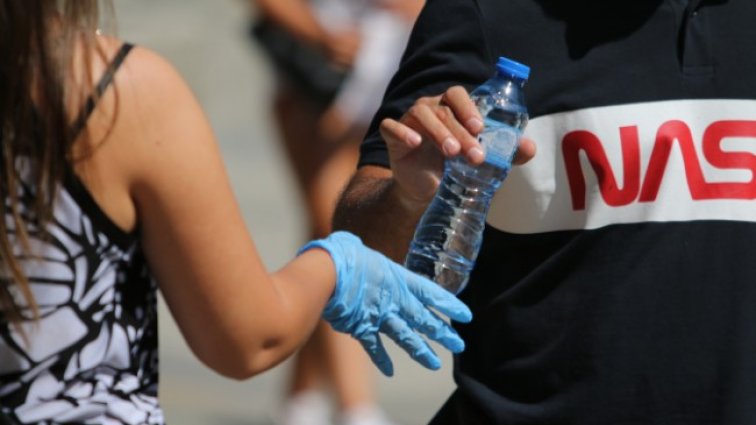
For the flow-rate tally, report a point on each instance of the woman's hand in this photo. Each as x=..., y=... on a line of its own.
x=341, y=46
x=374, y=294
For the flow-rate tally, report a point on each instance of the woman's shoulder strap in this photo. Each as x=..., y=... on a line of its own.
x=105, y=81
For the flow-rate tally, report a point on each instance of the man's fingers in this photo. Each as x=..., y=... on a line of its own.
x=439, y=124
x=460, y=114
x=399, y=138
x=451, y=122
x=470, y=147
x=525, y=152
x=464, y=108
x=423, y=118
x=377, y=352
x=409, y=341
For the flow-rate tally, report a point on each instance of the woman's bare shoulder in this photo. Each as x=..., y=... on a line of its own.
x=141, y=84
x=147, y=109
x=147, y=94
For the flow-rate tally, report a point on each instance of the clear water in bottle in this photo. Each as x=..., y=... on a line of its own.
x=449, y=235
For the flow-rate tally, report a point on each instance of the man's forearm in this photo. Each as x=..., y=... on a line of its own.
x=372, y=209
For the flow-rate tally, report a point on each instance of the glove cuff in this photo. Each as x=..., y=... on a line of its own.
x=336, y=244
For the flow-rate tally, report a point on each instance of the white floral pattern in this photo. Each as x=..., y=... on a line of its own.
x=92, y=357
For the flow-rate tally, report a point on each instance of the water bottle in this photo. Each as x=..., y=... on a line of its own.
x=448, y=237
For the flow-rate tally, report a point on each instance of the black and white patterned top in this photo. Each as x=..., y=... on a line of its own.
x=92, y=356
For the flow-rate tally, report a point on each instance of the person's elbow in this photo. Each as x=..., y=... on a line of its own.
x=241, y=360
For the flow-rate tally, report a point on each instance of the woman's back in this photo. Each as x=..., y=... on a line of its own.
x=92, y=353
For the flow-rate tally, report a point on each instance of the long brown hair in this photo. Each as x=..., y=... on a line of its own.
x=37, y=39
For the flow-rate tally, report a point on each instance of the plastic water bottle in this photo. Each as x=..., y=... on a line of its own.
x=448, y=237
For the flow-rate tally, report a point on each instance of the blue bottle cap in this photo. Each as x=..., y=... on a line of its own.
x=510, y=67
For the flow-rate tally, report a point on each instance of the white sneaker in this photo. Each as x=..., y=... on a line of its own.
x=306, y=408
x=365, y=415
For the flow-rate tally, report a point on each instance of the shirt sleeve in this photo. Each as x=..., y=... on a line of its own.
x=447, y=47
x=383, y=37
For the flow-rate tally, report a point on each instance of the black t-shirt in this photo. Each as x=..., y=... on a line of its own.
x=617, y=279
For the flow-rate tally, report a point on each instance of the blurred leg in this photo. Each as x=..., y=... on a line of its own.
x=306, y=373
x=349, y=369
x=323, y=165
x=306, y=403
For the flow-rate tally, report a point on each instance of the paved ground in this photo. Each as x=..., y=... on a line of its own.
x=206, y=41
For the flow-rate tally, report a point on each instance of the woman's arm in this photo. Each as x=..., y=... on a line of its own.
x=235, y=316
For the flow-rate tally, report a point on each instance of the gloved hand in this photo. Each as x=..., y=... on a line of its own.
x=373, y=294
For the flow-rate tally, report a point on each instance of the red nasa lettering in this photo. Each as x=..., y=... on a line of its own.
x=646, y=190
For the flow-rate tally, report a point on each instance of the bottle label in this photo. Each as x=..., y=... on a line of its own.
x=499, y=142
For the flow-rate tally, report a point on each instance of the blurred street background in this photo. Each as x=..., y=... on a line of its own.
x=207, y=42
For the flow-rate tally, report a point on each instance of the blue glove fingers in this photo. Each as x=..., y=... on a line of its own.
x=435, y=328
x=432, y=295
x=374, y=347
x=409, y=341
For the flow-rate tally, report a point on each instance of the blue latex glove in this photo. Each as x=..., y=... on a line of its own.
x=373, y=294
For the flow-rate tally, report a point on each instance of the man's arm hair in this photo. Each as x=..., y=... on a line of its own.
x=371, y=209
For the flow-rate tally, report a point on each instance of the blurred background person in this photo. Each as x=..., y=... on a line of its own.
x=333, y=59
